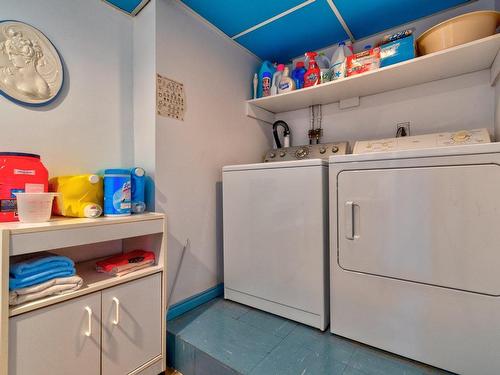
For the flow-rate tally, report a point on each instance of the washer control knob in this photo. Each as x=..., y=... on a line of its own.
x=322, y=150
x=301, y=153
x=282, y=154
x=335, y=149
x=272, y=155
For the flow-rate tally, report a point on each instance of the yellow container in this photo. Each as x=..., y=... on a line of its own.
x=80, y=196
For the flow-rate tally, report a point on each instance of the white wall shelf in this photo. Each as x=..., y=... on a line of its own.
x=452, y=62
x=86, y=240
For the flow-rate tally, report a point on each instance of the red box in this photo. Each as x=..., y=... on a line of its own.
x=363, y=61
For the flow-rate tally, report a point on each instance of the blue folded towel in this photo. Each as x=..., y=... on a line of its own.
x=40, y=269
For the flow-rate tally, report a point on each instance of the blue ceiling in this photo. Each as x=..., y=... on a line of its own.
x=311, y=26
x=131, y=7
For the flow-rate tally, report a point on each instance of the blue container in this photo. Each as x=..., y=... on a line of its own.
x=117, y=192
x=138, y=188
x=298, y=75
x=397, y=51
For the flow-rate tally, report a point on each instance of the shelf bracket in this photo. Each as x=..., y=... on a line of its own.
x=260, y=114
x=349, y=103
x=495, y=70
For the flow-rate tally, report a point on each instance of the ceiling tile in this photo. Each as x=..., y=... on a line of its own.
x=235, y=16
x=309, y=28
x=365, y=18
x=125, y=5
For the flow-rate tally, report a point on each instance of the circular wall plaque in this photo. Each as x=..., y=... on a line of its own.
x=31, y=71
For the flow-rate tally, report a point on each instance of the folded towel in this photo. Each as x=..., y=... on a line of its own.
x=139, y=266
x=39, y=269
x=38, y=264
x=15, y=283
x=49, y=288
x=122, y=262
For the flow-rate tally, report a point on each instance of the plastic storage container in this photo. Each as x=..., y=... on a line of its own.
x=34, y=207
x=117, y=192
x=19, y=172
x=80, y=196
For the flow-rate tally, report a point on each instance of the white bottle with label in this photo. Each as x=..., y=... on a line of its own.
x=286, y=84
x=277, y=78
x=338, y=64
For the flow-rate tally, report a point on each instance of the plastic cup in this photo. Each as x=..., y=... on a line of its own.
x=34, y=207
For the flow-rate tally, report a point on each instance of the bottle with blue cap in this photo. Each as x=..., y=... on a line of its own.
x=338, y=63
x=138, y=190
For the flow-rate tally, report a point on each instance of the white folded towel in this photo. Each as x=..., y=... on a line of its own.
x=49, y=288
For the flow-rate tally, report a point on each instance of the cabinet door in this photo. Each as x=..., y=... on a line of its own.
x=132, y=326
x=60, y=339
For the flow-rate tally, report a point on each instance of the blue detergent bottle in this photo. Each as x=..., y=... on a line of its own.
x=265, y=79
x=298, y=75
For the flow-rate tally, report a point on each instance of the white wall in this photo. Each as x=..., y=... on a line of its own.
x=465, y=102
x=217, y=77
x=144, y=78
x=90, y=126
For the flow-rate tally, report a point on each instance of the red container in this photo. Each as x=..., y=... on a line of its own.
x=19, y=172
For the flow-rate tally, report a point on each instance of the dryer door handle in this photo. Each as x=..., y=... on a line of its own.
x=349, y=220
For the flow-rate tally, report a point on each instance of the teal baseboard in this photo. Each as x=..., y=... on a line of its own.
x=193, y=302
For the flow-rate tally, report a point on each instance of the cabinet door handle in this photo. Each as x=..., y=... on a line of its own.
x=117, y=311
x=89, y=316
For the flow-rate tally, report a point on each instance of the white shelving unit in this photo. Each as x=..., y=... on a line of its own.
x=467, y=58
x=89, y=240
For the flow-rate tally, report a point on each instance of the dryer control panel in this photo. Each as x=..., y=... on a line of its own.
x=321, y=151
x=462, y=137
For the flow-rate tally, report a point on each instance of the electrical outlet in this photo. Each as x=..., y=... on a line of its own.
x=403, y=129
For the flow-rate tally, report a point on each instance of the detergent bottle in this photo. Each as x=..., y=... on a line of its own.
x=313, y=74
x=286, y=84
x=79, y=196
x=298, y=74
x=277, y=78
x=338, y=64
x=265, y=79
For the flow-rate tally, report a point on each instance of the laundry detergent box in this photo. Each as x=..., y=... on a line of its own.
x=397, y=51
x=362, y=62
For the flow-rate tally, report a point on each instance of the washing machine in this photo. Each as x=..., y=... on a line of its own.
x=276, y=233
x=415, y=249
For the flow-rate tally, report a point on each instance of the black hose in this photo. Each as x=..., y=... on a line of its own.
x=286, y=132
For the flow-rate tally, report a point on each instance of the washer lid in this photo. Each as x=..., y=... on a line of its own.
x=280, y=164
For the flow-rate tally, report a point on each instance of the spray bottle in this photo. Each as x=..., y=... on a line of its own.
x=313, y=74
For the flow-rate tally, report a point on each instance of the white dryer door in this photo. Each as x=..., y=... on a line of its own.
x=430, y=225
x=275, y=242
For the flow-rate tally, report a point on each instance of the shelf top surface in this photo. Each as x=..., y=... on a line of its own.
x=451, y=62
x=59, y=222
x=472, y=149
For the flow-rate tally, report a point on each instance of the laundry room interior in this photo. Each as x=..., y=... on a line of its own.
x=266, y=187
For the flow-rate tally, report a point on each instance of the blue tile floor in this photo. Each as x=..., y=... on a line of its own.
x=223, y=337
